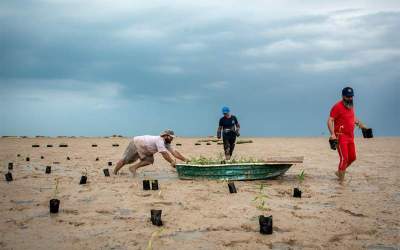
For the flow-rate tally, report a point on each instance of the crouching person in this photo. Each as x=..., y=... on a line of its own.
x=141, y=149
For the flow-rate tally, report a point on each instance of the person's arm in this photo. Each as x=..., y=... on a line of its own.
x=178, y=155
x=360, y=124
x=331, y=127
x=237, y=127
x=168, y=158
x=219, y=132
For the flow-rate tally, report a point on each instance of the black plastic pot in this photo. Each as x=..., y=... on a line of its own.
x=9, y=176
x=179, y=144
x=10, y=166
x=154, y=184
x=156, y=217
x=297, y=193
x=232, y=188
x=35, y=146
x=94, y=145
x=97, y=158
x=54, y=206
x=49, y=146
x=265, y=224
x=48, y=169
x=27, y=159
x=42, y=157
x=106, y=172
x=68, y=158
x=83, y=179
x=18, y=155
x=109, y=163
x=367, y=132
x=146, y=185
x=115, y=145
x=333, y=143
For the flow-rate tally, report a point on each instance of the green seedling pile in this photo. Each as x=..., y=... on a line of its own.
x=202, y=160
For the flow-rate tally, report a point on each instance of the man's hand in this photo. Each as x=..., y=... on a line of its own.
x=332, y=137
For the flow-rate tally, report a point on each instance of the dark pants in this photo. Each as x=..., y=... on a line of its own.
x=229, y=143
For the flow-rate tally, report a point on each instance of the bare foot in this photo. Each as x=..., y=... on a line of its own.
x=340, y=175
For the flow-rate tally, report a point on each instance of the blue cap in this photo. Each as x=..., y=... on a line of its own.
x=225, y=110
x=348, y=91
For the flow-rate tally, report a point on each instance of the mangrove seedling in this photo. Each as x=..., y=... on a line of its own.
x=55, y=203
x=297, y=191
x=83, y=177
x=261, y=199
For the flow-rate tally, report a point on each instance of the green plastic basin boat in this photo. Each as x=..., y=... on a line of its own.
x=232, y=171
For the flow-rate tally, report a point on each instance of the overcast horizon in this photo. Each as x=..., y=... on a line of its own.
x=98, y=68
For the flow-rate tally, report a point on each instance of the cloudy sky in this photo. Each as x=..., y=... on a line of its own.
x=136, y=67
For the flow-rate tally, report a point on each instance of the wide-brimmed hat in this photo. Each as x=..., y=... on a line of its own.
x=169, y=132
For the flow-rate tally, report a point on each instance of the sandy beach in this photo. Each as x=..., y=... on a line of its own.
x=114, y=212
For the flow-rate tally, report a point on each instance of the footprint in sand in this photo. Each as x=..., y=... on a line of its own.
x=71, y=211
x=103, y=211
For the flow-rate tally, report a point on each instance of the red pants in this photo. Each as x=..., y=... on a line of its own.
x=346, y=150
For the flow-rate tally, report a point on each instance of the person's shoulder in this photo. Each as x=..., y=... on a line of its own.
x=339, y=104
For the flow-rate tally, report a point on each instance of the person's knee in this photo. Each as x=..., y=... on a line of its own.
x=351, y=160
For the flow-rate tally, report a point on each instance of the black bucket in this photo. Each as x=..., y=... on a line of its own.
x=48, y=169
x=27, y=159
x=10, y=166
x=68, y=158
x=106, y=172
x=296, y=193
x=8, y=176
x=156, y=217
x=333, y=143
x=154, y=184
x=83, y=179
x=146, y=185
x=265, y=224
x=54, y=206
x=232, y=188
x=110, y=163
x=367, y=133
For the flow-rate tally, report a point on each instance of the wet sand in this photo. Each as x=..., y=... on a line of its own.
x=114, y=212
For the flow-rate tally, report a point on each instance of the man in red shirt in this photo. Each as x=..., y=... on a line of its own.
x=341, y=124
